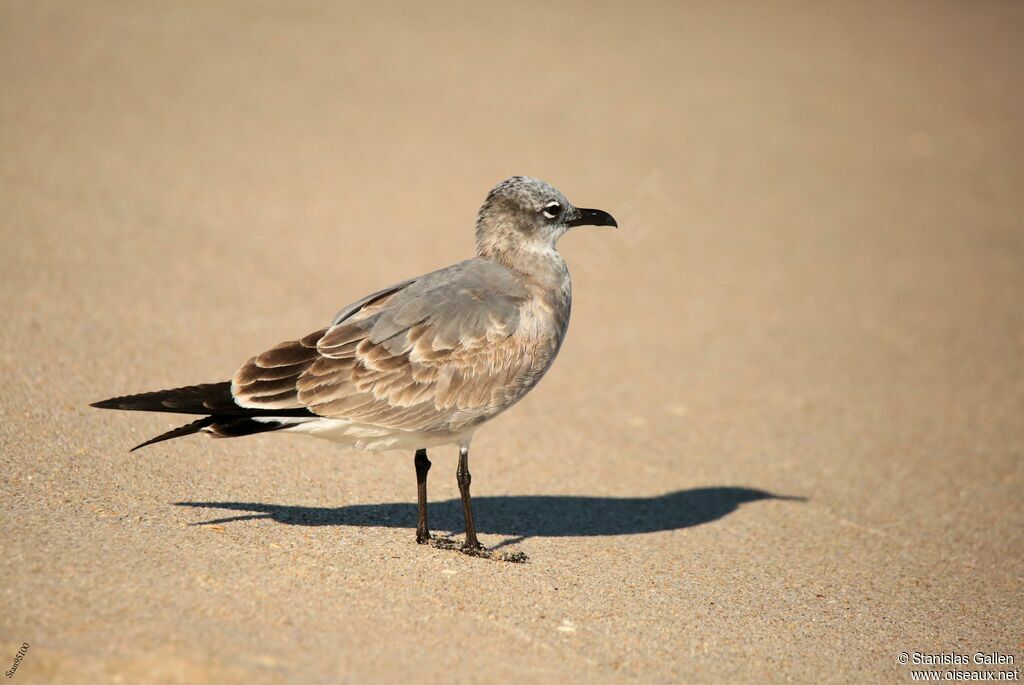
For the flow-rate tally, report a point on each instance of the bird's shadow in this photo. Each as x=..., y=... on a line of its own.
x=521, y=516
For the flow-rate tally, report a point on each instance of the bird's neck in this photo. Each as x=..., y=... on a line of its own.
x=543, y=269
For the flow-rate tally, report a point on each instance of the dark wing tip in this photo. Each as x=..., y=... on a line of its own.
x=191, y=399
x=112, y=403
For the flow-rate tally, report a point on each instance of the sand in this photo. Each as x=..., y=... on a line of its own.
x=815, y=294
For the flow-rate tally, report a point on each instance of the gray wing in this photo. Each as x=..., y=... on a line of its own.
x=433, y=353
x=369, y=299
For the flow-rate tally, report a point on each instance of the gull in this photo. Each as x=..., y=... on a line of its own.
x=419, y=364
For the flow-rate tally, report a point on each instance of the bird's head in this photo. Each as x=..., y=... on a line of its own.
x=522, y=212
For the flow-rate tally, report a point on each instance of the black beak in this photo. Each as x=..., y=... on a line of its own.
x=590, y=217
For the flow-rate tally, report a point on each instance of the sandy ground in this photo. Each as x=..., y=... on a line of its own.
x=816, y=293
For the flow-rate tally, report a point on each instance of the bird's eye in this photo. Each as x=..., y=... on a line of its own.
x=552, y=210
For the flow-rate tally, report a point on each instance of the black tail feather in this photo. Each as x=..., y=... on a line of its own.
x=220, y=427
x=226, y=418
x=236, y=428
x=187, y=429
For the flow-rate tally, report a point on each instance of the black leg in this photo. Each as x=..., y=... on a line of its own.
x=422, y=466
x=464, y=479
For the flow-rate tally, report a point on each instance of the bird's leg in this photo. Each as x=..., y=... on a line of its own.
x=464, y=479
x=422, y=466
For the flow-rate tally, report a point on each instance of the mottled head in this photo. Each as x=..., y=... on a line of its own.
x=526, y=213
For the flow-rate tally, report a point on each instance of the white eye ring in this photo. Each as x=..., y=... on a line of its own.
x=552, y=210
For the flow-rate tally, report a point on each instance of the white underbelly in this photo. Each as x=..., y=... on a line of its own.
x=363, y=436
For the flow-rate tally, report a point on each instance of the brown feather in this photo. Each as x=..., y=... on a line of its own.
x=438, y=353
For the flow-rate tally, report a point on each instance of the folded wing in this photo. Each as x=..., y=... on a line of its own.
x=436, y=353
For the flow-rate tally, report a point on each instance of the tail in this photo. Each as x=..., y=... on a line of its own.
x=225, y=418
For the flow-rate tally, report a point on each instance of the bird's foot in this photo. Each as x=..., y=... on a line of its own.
x=422, y=536
x=474, y=550
x=479, y=551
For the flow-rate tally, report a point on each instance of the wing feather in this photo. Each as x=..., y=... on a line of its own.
x=434, y=353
